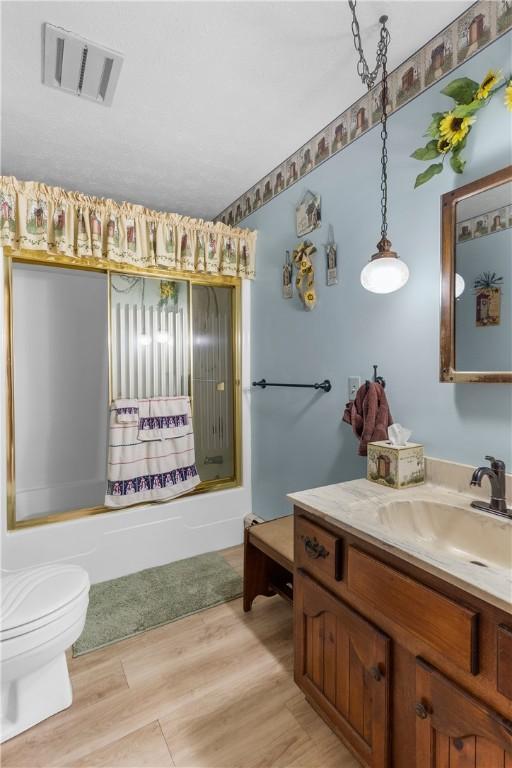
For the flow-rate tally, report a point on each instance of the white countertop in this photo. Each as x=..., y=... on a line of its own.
x=352, y=506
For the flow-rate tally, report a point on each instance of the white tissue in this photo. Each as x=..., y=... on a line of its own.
x=398, y=435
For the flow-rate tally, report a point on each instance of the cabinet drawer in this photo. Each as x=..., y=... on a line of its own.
x=317, y=551
x=449, y=628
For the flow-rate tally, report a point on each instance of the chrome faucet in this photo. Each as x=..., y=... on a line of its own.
x=496, y=475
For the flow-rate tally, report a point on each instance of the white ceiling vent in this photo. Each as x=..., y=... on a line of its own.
x=77, y=66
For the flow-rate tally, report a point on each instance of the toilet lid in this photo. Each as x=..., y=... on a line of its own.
x=30, y=595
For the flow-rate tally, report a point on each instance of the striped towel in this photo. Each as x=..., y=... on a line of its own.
x=163, y=417
x=127, y=411
x=149, y=469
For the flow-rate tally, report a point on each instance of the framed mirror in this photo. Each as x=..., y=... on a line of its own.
x=476, y=281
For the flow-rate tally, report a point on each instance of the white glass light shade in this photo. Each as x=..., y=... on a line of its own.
x=459, y=285
x=145, y=339
x=384, y=275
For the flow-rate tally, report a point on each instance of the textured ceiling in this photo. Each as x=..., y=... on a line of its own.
x=212, y=95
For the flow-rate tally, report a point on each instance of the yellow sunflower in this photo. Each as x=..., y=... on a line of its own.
x=508, y=96
x=454, y=129
x=492, y=77
x=443, y=146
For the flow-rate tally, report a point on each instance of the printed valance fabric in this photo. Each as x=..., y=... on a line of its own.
x=37, y=217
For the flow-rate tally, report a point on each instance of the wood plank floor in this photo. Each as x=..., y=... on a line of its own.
x=212, y=690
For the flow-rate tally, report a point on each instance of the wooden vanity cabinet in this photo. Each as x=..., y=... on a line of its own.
x=455, y=730
x=409, y=670
x=342, y=664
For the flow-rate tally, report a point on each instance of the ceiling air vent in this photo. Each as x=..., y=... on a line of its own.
x=77, y=66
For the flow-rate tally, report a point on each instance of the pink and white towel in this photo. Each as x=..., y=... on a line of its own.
x=150, y=458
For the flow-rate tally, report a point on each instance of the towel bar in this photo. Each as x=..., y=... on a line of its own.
x=325, y=385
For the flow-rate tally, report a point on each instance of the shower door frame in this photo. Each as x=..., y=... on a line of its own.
x=42, y=258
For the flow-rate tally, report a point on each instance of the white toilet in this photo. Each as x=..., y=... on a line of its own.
x=42, y=613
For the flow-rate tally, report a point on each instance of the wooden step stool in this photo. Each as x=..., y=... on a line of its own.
x=268, y=560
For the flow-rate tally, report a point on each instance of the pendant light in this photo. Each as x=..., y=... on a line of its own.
x=385, y=272
x=460, y=285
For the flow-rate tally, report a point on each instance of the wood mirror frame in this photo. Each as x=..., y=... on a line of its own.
x=448, y=372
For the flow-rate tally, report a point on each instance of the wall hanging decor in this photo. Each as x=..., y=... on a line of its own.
x=287, y=277
x=448, y=131
x=308, y=213
x=488, y=299
x=305, y=280
x=384, y=273
x=331, y=256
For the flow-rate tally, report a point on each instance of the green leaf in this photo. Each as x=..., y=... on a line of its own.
x=457, y=163
x=433, y=128
x=430, y=152
x=465, y=110
x=460, y=146
x=461, y=90
x=432, y=170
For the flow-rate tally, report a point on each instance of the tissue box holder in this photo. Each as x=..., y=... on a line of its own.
x=396, y=466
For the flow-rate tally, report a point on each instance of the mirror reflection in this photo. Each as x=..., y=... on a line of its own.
x=483, y=281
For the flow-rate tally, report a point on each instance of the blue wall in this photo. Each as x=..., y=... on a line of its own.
x=299, y=440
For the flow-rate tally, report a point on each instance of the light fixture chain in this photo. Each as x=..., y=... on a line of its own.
x=384, y=35
x=363, y=70
x=368, y=78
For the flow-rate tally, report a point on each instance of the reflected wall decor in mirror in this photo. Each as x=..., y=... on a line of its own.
x=476, y=281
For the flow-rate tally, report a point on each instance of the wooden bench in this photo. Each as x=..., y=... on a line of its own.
x=268, y=560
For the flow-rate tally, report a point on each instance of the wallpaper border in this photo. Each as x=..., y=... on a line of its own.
x=468, y=34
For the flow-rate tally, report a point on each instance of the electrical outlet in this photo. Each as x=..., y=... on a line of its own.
x=354, y=382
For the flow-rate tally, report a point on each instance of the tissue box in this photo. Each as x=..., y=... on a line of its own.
x=396, y=466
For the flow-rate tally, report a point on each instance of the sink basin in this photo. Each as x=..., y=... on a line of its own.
x=477, y=538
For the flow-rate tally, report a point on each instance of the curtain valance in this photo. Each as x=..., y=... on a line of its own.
x=37, y=217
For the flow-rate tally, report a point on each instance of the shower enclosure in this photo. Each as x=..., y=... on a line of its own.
x=80, y=338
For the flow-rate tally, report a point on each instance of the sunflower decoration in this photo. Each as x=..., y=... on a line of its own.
x=305, y=278
x=453, y=129
x=310, y=298
x=448, y=131
x=491, y=79
x=168, y=292
x=508, y=96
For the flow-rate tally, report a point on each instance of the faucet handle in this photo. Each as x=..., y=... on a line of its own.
x=495, y=463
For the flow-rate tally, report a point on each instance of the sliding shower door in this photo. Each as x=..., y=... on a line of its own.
x=213, y=383
x=150, y=339
x=60, y=383
x=79, y=337
x=171, y=338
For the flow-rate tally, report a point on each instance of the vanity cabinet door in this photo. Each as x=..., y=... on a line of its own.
x=342, y=665
x=455, y=730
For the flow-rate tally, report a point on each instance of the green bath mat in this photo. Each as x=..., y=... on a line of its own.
x=132, y=604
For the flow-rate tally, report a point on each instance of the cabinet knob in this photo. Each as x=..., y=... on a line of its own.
x=314, y=549
x=376, y=673
x=421, y=711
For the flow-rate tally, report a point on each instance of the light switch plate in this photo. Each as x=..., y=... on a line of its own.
x=354, y=382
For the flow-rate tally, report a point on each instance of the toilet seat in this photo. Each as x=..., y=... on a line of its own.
x=39, y=597
x=43, y=612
